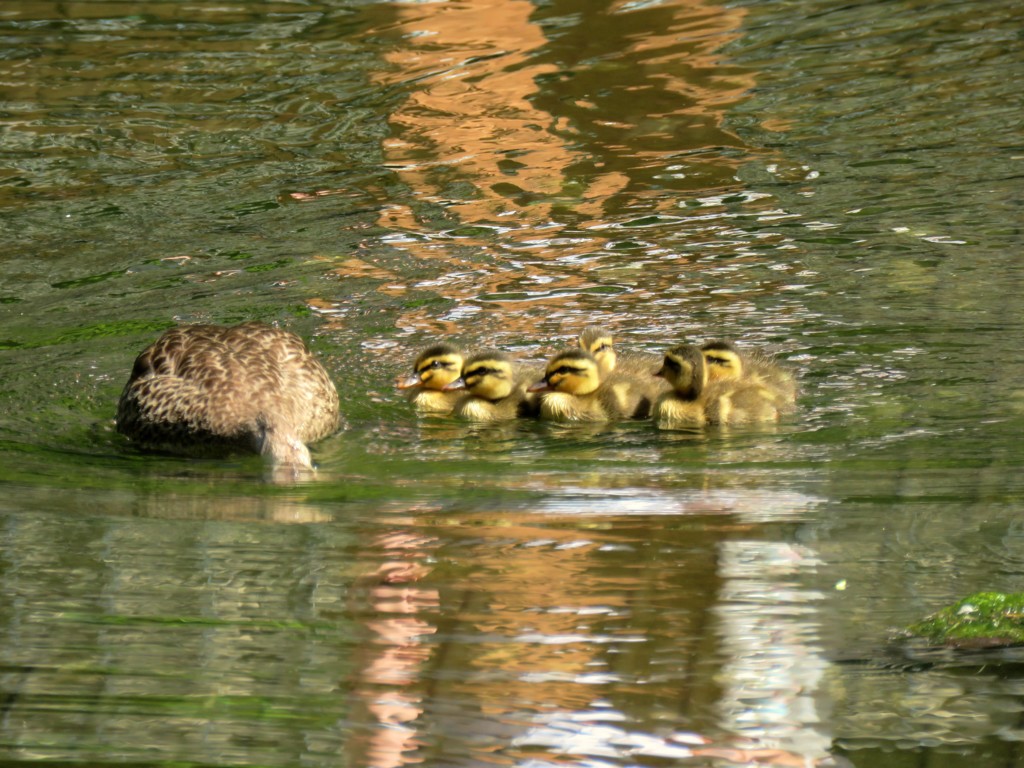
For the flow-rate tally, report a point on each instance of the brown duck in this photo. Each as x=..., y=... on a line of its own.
x=210, y=390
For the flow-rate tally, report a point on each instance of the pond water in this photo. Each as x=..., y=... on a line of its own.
x=837, y=183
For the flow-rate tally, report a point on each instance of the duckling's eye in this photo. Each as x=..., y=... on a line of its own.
x=673, y=364
x=718, y=360
x=603, y=347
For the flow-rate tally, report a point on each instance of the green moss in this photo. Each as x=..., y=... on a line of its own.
x=88, y=279
x=984, y=619
x=268, y=267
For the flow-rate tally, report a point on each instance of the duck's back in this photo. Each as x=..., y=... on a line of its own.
x=763, y=370
x=204, y=388
x=641, y=365
x=745, y=403
x=631, y=396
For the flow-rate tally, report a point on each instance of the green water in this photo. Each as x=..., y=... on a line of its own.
x=837, y=183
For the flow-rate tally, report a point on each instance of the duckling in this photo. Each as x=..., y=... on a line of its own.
x=771, y=382
x=638, y=366
x=495, y=389
x=600, y=342
x=574, y=389
x=434, y=369
x=697, y=399
x=212, y=390
x=685, y=369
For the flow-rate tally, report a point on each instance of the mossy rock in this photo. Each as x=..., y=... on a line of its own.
x=981, y=620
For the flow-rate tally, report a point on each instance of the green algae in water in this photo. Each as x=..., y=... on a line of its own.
x=981, y=620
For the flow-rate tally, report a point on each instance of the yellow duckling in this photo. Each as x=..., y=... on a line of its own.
x=212, y=390
x=698, y=399
x=772, y=382
x=600, y=342
x=434, y=369
x=685, y=369
x=495, y=389
x=574, y=389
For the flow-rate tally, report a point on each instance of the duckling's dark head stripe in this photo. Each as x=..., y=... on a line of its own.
x=437, y=352
x=487, y=355
x=480, y=370
x=593, y=334
x=672, y=363
x=576, y=355
x=436, y=363
x=572, y=361
x=719, y=346
x=567, y=370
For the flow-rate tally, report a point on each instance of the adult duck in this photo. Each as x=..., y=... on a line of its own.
x=209, y=390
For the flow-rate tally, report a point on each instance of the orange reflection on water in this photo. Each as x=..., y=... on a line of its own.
x=557, y=626
x=469, y=116
x=515, y=121
x=505, y=120
x=390, y=666
x=536, y=143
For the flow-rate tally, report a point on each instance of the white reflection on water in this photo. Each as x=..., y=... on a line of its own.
x=572, y=735
x=774, y=666
x=757, y=505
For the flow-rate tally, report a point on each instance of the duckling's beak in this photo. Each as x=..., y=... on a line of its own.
x=660, y=373
x=408, y=382
x=459, y=383
x=539, y=386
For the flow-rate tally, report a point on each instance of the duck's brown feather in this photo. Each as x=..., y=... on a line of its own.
x=209, y=390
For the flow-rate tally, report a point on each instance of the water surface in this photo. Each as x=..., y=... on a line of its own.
x=838, y=184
